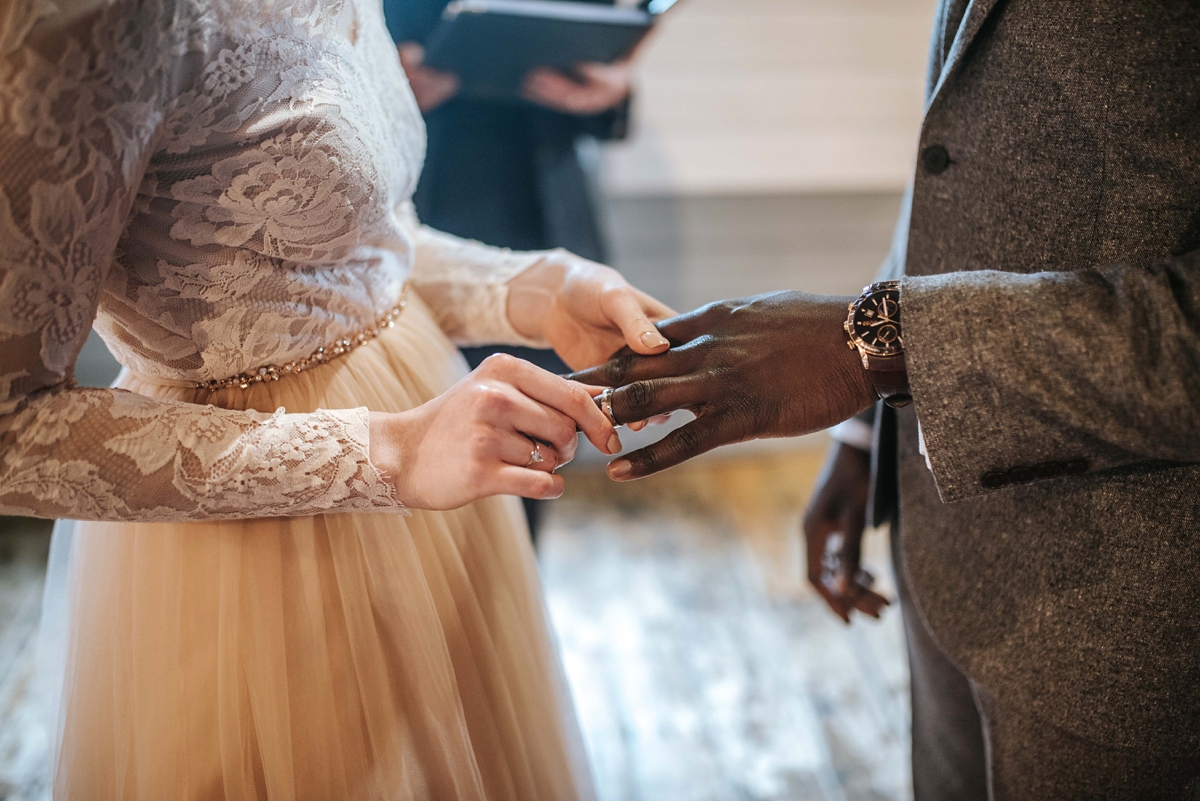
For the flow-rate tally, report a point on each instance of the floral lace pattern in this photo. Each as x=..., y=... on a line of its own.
x=215, y=185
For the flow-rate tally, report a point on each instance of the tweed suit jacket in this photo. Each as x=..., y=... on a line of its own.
x=1051, y=303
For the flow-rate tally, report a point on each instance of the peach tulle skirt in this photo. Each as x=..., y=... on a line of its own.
x=344, y=656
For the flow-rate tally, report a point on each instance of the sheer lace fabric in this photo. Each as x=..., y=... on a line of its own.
x=217, y=185
x=220, y=185
x=331, y=657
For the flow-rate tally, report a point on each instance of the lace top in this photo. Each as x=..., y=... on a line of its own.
x=217, y=185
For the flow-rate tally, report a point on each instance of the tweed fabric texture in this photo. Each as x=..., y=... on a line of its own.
x=1052, y=323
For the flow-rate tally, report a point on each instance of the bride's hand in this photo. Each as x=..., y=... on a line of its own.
x=586, y=311
x=476, y=439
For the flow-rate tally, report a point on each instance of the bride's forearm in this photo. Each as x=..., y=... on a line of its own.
x=466, y=286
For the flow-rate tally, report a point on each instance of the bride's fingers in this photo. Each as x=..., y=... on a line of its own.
x=568, y=397
x=510, y=480
x=524, y=417
x=519, y=451
x=654, y=308
x=623, y=306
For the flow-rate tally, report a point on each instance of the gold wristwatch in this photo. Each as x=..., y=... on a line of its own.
x=873, y=326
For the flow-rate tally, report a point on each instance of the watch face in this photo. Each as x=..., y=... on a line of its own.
x=877, y=322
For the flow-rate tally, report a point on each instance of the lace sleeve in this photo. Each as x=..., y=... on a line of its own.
x=82, y=92
x=465, y=283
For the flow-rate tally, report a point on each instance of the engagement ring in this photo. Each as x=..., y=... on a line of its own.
x=535, y=456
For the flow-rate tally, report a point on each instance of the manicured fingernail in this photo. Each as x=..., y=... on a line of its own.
x=614, y=444
x=620, y=468
x=653, y=339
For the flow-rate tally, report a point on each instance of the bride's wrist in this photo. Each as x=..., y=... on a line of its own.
x=387, y=448
x=532, y=292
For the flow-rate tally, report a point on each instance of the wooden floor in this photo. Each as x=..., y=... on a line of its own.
x=703, y=668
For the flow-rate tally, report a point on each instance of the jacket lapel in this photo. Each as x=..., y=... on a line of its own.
x=977, y=13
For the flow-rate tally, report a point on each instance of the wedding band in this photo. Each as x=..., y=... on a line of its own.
x=604, y=401
x=535, y=456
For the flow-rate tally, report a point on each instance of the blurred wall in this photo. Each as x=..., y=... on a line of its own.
x=690, y=250
x=777, y=96
x=771, y=142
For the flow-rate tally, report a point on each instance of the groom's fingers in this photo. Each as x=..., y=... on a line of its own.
x=870, y=602
x=692, y=325
x=626, y=367
x=697, y=437
x=642, y=400
x=686, y=334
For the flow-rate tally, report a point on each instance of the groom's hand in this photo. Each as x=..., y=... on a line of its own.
x=833, y=533
x=772, y=365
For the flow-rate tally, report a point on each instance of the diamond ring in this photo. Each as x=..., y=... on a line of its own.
x=535, y=456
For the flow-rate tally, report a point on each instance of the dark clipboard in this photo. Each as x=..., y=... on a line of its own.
x=492, y=44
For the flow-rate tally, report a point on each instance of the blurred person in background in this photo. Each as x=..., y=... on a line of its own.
x=509, y=174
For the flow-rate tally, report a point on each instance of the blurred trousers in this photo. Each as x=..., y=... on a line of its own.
x=965, y=742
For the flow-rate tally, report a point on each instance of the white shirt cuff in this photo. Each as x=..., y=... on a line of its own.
x=921, y=446
x=853, y=432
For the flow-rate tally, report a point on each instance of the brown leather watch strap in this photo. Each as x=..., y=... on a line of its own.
x=889, y=376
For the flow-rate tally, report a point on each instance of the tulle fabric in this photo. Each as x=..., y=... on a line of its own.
x=342, y=656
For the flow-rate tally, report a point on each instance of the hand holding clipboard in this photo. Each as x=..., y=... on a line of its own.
x=590, y=88
x=572, y=56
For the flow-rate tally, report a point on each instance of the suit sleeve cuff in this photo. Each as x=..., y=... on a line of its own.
x=984, y=427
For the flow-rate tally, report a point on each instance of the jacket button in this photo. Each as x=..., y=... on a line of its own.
x=1021, y=475
x=994, y=479
x=935, y=159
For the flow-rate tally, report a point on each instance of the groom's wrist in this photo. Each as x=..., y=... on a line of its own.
x=874, y=330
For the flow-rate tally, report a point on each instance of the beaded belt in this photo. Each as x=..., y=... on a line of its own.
x=273, y=372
